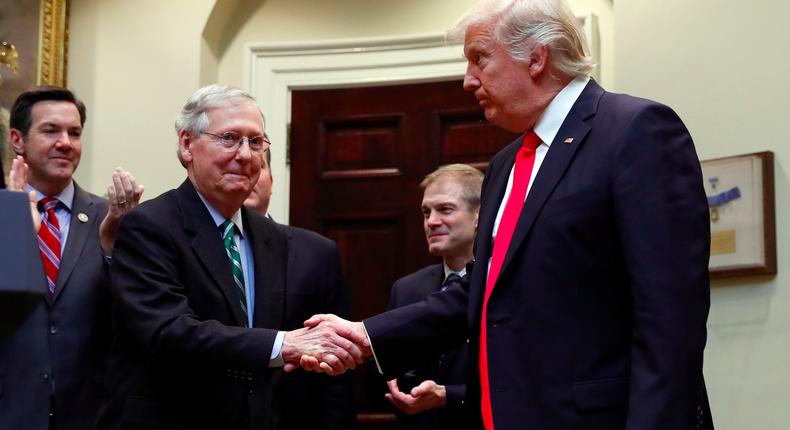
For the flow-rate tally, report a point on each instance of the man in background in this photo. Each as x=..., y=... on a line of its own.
x=313, y=284
x=431, y=396
x=199, y=288
x=52, y=367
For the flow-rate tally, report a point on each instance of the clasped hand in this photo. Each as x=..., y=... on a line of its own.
x=327, y=344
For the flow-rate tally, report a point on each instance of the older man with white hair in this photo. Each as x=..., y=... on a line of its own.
x=588, y=301
x=199, y=287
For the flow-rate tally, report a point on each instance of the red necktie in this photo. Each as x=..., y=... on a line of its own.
x=525, y=159
x=49, y=241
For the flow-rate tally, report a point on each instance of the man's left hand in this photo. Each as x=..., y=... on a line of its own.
x=427, y=395
x=124, y=194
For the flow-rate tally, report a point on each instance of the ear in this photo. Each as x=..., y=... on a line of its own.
x=538, y=60
x=17, y=141
x=477, y=213
x=185, y=141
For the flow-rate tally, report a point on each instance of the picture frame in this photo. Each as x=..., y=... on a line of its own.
x=38, y=32
x=740, y=192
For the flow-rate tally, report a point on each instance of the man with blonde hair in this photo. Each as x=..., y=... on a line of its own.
x=588, y=302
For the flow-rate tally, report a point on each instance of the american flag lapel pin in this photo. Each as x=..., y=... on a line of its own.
x=568, y=140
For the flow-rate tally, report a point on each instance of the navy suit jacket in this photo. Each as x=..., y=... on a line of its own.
x=314, y=284
x=67, y=336
x=449, y=369
x=597, y=320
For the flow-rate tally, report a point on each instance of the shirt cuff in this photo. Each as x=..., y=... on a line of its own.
x=373, y=351
x=276, y=359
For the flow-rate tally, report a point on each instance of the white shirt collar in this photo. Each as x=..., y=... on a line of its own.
x=66, y=197
x=218, y=218
x=549, y=123
x=448, y=271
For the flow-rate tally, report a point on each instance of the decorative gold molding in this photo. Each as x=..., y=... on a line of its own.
x=53, y=42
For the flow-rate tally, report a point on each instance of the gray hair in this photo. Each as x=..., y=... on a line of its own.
x=193, y=118
x=521, y=24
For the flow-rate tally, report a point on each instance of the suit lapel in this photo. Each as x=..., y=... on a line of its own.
x=494, y=192
x=207, y=246
x=79, y=234
x=270, y=253
x=554, y=165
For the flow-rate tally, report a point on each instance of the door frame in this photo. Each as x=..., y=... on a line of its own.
x=274, y=70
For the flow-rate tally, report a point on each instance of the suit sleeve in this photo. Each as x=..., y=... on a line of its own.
x=431, y=326
x=663, y=224
x=152, y=303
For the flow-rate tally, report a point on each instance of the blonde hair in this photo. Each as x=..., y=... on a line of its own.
x=521, y=24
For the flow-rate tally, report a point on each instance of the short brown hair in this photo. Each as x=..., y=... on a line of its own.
x=471, y=181
x=21, y=113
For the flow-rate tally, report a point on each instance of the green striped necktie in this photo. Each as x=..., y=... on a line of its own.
x=228, y=231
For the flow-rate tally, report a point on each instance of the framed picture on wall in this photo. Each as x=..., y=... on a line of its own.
x=33, y=51
x=740, y=192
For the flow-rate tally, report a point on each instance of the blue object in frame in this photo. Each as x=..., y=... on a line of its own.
x=724, y=197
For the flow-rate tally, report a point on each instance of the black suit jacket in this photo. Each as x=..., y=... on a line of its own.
x=449, y=369
x=180, y=358
x=597, y=320
x=314, y=284
x=67, y=336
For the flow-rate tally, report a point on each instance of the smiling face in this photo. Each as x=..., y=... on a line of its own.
x=449, y=223
x=52, y=147
x=225, y=179
x=504, y=87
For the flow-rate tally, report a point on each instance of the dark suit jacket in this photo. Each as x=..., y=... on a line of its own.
x=597, y=320
x=180, y=358
x=448, y=370
x=314, y=284
x=67, y=336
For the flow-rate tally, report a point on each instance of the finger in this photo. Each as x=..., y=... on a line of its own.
x=309, y=363
x=421, y=389
x=111, y=196
x=354, y=332
x=138, y=193
x=329, y=370
x=289, y=367
x=117, y=183
x=339, y=361
x=316, y=319
x=349, y=350
x=393, y=386
x=127, y=183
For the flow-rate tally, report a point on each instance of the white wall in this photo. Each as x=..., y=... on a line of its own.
x=134, y=63
x=723, y=66
x=307, y=20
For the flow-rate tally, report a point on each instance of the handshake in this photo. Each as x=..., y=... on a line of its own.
x=327, y=344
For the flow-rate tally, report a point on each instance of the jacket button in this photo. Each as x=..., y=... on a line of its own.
x=44, y=377
x=53, y=330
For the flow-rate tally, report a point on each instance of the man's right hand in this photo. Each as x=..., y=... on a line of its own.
x=328, y=344
x=17, y=180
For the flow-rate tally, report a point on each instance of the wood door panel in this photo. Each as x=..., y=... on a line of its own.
x=361, y=148
x=466, y=138
x=358, y=156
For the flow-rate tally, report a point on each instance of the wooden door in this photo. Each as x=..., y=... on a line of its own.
x=358, y=156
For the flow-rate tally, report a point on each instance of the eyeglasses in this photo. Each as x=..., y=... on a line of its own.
x=230, y=141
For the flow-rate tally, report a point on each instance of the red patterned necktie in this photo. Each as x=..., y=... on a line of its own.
x=525, y=159
x=49, y=241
